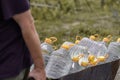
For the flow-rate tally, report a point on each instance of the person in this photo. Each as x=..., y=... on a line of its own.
x=19, y=42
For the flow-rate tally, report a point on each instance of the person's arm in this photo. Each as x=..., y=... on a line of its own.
x=26, y=23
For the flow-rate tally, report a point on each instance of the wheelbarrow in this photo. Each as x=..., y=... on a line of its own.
x=106, y=71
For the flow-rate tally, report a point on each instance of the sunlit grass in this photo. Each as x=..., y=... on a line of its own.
x=65, y=26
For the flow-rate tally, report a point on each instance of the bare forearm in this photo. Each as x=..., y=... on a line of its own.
x=26, y=23
x=33, y=43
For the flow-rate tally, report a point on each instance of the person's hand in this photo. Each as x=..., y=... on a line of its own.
x=38, y=74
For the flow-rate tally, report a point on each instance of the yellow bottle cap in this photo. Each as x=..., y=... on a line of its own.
x=78, y=38
x=92, y=37
x=47, y=40
x=91, y=58
x=84, y=64
x=101, y=58
x=65, y=47
x=50, y=40
x=75, y=59
x=94, y=63
x=107, y=39
x=118, y=40
x=77, y=41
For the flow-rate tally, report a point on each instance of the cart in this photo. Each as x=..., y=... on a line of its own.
x=106, y=71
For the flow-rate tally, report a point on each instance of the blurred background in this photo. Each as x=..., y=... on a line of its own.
x=66, y=19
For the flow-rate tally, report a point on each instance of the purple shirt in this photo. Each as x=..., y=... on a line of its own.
x=14, y=55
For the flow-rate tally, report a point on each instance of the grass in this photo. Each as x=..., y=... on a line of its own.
x=85, y=22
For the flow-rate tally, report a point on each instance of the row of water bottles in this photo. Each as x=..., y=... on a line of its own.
x=73, y=57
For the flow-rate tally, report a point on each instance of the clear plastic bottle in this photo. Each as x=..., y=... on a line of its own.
x=92, y=48
x=86, y=42
x=83, y=62
x=102, y=54
x=97, y=53
x=92, y=58
x=114, y=50
x=76, y=52
x=59, y=64
x=47, y=48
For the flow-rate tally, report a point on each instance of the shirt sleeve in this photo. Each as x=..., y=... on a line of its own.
x=13, y=7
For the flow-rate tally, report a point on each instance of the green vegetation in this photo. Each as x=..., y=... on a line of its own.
x=68, y=18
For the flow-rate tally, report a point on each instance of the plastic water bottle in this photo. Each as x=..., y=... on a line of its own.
x=83, y=62
x=59, y=63
x=76, y=52
x=114, y=51
x=86, y=42
x=47, y=48
x=91, y=46
x=97, y=53
x=102, y=54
